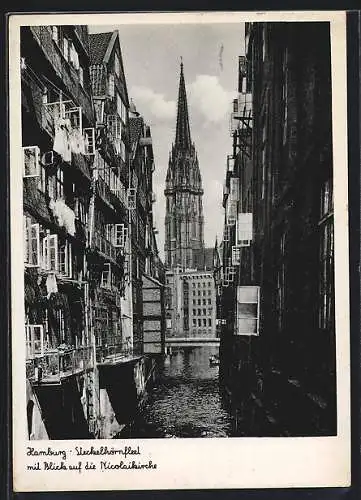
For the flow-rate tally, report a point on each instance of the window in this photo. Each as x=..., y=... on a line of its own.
x=80, y=211
x=204, y=312
x=65, y=258
x=199, y=322
x=326, y=279
x=247, y=310
x=106, y=278
x=120, y=235
x=199, y=302
x=114, y=126
x=209, y=322
x=244, y=229
x=199, y=312
x=89, y=141
x=31, y=242
x=31, y=161
x=50, y=252
x=194, y=322
x=194, y=312
x=56, y=185
x=204, y=322
x=131, y=198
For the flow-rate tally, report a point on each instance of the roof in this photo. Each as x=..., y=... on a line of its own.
x=183, y=133
x=98, y=45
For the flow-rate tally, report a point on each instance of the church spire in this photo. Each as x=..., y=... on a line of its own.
x=183, y=133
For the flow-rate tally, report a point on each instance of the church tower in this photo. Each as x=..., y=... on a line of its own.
x=183, y=191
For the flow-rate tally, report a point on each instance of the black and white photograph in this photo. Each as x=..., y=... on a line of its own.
x=176, y=263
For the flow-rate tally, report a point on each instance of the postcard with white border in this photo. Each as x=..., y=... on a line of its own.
x=179, y=251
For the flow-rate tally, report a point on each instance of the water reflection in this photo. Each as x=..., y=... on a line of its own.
x=185, y=402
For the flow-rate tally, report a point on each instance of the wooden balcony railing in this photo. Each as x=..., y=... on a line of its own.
x=104, y=246
x=113, y=354
x=68, y=74
x=55, y=364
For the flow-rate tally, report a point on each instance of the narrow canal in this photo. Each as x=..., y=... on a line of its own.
x=186, y=400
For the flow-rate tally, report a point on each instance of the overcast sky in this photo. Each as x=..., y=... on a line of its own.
x=151, y=57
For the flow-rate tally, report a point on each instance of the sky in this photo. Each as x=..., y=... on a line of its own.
x=151, y=57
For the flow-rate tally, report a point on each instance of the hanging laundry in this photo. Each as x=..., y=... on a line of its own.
x=64, y=215
x=69, y=220
x=51, y=284
x=76, y=141
x=61, y=138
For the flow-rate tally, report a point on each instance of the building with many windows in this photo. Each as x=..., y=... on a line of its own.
x=190, y=303
x=58, y=127
x=89, y=237
x=276, y=281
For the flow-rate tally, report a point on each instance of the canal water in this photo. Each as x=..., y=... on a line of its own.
x=185, y=401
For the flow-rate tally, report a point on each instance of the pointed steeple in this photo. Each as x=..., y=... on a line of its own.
x=183, y=133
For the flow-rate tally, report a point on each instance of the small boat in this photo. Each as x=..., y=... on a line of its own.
x=213, y=360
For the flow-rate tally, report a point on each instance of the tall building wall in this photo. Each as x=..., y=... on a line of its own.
x=285, y=181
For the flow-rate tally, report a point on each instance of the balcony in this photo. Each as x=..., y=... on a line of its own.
x=114, y=354
x=104, y=246
x=104, y=191
x=54, y=365
x=68, y=74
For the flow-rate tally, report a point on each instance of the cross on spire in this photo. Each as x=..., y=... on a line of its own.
x=183, y=134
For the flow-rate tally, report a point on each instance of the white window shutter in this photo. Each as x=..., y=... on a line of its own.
x=53, y=252
x=31, y=161
x=89, y=141
x=35, y=244
x=131, y=195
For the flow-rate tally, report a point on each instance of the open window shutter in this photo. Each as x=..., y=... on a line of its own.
x=120, y=235
x=89, y=140
x=53, y=252
x=35, y=244
x=31, y=161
